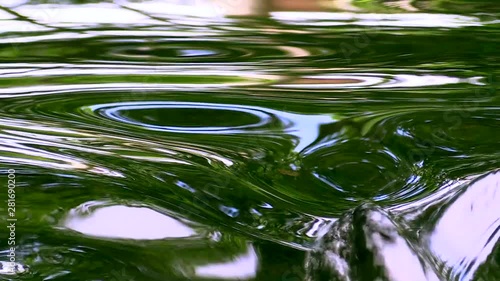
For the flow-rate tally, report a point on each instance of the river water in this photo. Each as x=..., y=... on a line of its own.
x=166, y=141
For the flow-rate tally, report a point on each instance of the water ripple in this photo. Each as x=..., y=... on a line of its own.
x=150, y=112
x=52, y=79
x=247, y=135
x=375, y=81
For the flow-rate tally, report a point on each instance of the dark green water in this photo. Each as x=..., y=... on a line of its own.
x=251, y=132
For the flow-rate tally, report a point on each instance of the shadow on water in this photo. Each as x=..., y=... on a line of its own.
x=239, y=140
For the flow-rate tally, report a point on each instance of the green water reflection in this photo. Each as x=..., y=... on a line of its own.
x=242, y=135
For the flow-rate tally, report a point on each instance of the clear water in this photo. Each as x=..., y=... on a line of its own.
x=164, y=142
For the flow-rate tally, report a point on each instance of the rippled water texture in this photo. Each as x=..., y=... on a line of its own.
x=160, y=141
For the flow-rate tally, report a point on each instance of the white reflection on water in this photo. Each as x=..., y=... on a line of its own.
x=138, y=13
x=12, y=268
x=85, y=14
x=125, y=222
x=13, y=3
x=468, y=230
x=241, y=267
x=401, y=20
x=11, y=25
x=377, y=80
x=392, y=250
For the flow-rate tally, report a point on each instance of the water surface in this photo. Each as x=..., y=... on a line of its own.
x=155, y=142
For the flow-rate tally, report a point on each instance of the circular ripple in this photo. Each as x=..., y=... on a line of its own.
x=174, y=52
x=360, y=170
x=204, y=51
x=185, y=117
